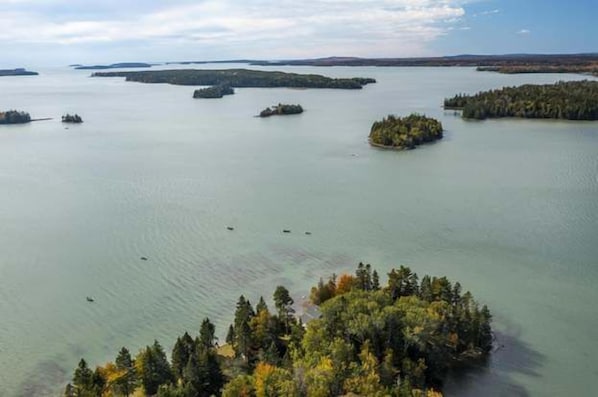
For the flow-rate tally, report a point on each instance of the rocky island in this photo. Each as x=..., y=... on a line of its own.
x=72, y=118
x=215, y=91
x=17, y=72
x=571, y=100
x=14, y=117
x=239, y=78
x=405, y=132
x=281, y=110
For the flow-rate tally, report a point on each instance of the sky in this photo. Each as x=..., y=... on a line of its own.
x=60, y=32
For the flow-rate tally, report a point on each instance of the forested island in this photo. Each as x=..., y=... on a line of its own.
x=281, y=109
x=215, y=91
x=17, y=72
x=571, y=100
x=399, y=339
x=113, y=66
x=239, y=78
x=14, y=117
x=72, y=118
x=405, y=132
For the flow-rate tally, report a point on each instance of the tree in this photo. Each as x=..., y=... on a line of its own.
x=153, y=368
x=402, y=282
x=243, y=338
x=207, y=334
x=182, y=350
x=261, y=305
x=230, y=335
x=345, y=283
x=284, y=305
x=124, y=384
x=241, y=386
x=83, y=377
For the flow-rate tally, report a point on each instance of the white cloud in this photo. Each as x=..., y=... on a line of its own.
x=361, y=27
x=489, y=12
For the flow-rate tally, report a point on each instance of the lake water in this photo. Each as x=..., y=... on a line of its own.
x=508, y=207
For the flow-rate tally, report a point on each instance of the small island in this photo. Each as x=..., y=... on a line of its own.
x=400, y=338
x=239, y=78
x=17, y=72
x=405, y=132
x=215, y=91
x=571, y=100
x=72, y=118
x=281, y=110
x=14, y=117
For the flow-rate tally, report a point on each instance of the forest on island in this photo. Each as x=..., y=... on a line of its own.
x=14, y=117
x=281, y=109
x=572, y=100
x=398, y=339
x=239, y=78
x=215, y=91
x=405, y=132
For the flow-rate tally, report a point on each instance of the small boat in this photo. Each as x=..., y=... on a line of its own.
x=230, y=228
x=286, y=231
x=143, y=258
x=308, y=233
x=89, y=299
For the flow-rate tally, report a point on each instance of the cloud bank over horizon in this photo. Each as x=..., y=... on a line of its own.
x=83, y=31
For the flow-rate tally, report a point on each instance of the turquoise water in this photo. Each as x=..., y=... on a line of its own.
x=508, y=207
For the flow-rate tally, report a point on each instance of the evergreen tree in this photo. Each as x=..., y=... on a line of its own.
x=485, y=338
x=83, y=377
x=125, y=384
x=230, y=335
x=261, y=305
x=375, y=281
x=180, y=355
x=207, y=334
x=243, y=338
x=153, y=368
x=284, y=305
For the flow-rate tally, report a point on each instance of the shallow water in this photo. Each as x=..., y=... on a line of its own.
x=508, y=207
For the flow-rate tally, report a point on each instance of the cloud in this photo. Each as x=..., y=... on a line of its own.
x=330, y=26
x=524, y=31
x=489, y=12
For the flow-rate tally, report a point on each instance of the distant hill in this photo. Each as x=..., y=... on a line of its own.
x=455, y=60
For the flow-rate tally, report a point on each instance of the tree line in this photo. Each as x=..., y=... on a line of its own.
x=397, y=339
x=571, y=100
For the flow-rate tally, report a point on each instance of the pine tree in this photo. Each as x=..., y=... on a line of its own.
x=153, y=368
x=284, y=305
x=125, y=384
x=230, y=335
x=261, y=305
x=83, y=377
x=207, y=334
